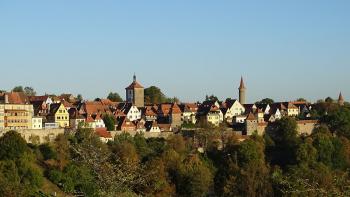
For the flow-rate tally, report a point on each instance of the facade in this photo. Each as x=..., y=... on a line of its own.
x=133, y=113
x=18, y=116
x=135, y=94
x=58, y=114
x=37, y=123
x=190, y=112
x=232, y=109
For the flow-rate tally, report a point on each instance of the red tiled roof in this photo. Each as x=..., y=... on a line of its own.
x=102, y=132
x=133, y=85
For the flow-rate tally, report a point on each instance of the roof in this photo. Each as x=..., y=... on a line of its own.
x=17, y=98
x=102, y=132
x=134, y=85
x=251, y=116
x=175, y=109
x=54, y=107
x=38, y=98
x=241, y=85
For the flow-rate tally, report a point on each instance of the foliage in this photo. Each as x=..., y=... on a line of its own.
x=109, y=121
x=265, y=101
x=115, y=97
x=154, y=95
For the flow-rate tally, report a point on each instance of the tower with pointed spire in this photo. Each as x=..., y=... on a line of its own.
x=135, y=93
x=242, y=91
x=341, y=99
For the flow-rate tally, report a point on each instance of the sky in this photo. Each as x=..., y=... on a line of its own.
x=188, y=48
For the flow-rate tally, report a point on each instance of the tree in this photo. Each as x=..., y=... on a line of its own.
x=29, y=91
x=301, y=100
x=338, y=121
x=109, y=121
x=79, y=97
x=283, y=133
x=211, y=98
x=115, y=97
x=18, y=89
x=12, y=146
x=265, y=101
x=154, y=95
x=329, y=100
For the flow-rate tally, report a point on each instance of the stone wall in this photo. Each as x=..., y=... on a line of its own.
x=38, y=136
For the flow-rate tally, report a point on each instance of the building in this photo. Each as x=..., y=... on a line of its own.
x=135, y=93
x=58, y=114
x=232, y=108
x=37, y=122
x=16, y=112
x=242, y=92
x=190, y=112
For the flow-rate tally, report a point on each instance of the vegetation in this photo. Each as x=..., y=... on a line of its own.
x=29, y=91
x=265, y=101
x=280, y=163
x=154, y=95
x=115, y=97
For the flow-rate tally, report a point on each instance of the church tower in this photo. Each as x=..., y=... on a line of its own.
x=135, y=93
x=341, y=99
x=242, y=90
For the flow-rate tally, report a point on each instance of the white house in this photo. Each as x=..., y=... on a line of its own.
x=132, y=113
x=154, y=127
x=189, y=113
x=37, y=123
x=232, y=108
x=99, y=122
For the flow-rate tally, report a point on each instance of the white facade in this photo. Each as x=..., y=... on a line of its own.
x=134, y=114
x=99, y=123
x=235, y=110
x=154, y=129
x=37, y=123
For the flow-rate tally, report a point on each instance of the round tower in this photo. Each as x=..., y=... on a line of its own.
x=242, y=89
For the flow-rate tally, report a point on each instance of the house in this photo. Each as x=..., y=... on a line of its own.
x=58, y=114
x=126, y=125
x=75, y=119
x=140, y=126
x=232, y=108
x=210, y=115
x=16, y=112
x=98, y=121
x=132, y=112
x=90, y=122
x=169, y=113
x=190, y=112
x=292, y=110
x=152, y=127
x=149, y=113
x=103, y=134
x=37, y=123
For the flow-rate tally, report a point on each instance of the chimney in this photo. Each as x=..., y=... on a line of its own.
x=6, y=98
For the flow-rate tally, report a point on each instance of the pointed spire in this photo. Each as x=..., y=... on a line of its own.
x=134, y=77
x=241, y=85
x=341, y=99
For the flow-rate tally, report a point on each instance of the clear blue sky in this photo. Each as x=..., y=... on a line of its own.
x=283, y=49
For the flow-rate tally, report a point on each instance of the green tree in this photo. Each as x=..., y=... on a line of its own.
x=29, y=91
x=115, y=97
x=266, y=101
x=79, y=97
x=109, y=121
x=338, y=121
x=154, y=95
x=18, y=89
x=12, y=146
x=283, y=133
x=211, y=98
